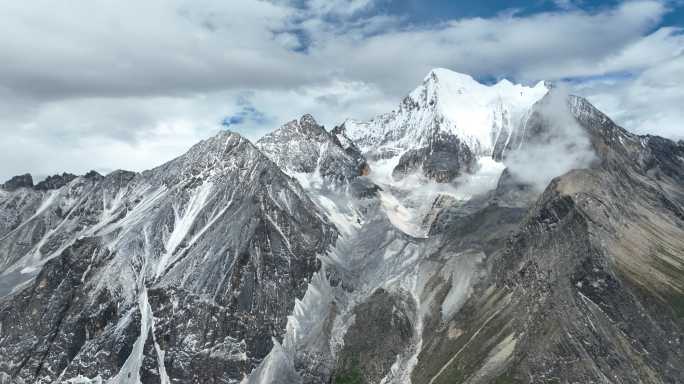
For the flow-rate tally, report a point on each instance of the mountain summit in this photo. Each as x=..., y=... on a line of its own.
x=452, y=103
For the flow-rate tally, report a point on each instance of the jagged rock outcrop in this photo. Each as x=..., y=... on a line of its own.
x=93, y=175
x=443, y=160
x=305, y=147
x=20, y=181
x=341, y=139
x=55, y=181
x=382, y=329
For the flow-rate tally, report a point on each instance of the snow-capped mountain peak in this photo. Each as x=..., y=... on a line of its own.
x=450, y=102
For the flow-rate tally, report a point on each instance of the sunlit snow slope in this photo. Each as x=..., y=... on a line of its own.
x=480, y=115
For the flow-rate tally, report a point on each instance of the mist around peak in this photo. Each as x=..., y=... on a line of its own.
x=553, y=142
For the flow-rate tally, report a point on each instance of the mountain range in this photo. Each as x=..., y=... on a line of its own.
x=476, y=234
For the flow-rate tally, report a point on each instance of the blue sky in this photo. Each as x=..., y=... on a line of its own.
x=435, y=11
x=130, y=85
x=443, y=10
x=430, y=11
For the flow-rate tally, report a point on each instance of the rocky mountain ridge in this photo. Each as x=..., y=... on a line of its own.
x=368, y=254
x=181, y=273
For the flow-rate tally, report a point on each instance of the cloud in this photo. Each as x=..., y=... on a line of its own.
x=560, y=145
x=178, y=47
x=162, y=75
x=330, y=104
x=99, y=48
x=340, y=8
x=648, y=102
x=22, y=150
x=549, y=45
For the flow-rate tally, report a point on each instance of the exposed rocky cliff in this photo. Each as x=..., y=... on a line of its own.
x=20, y=181
x=442, y=160
x=304, y=148
x=55, y=181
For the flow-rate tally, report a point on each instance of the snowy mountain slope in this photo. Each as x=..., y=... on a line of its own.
x=480, y=116
x=184, y=272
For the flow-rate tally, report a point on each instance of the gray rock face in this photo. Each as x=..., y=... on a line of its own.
x=513, y=192
x=382, y=329
x=16, y=182
x=443, y=160
x=92, y=175
x=40, y=224
x=55, y=181
x=340, y=138
x=183, y=273
x=306, y=147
